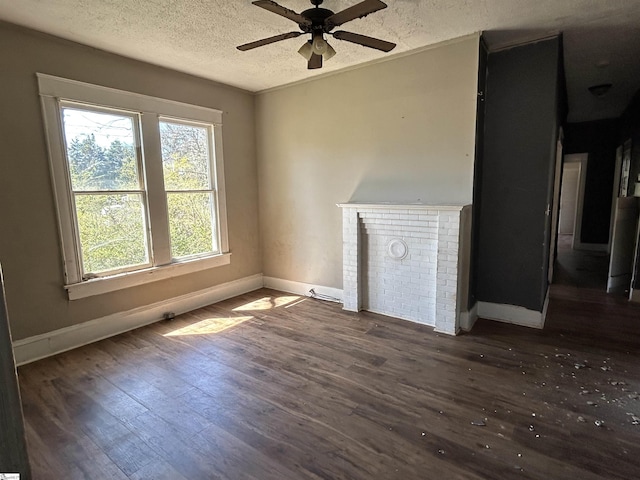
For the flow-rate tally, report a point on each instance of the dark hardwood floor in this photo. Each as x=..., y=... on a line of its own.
x=273, y=386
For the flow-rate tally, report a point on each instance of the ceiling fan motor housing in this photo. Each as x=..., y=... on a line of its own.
x=317, y=16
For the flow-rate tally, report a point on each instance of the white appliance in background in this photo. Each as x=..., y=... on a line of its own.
x=623, y=244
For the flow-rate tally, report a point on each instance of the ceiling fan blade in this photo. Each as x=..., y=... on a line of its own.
x=359, y=10
x=364, y=40
x=282, y=11
x=267, y=41
x=315, y=62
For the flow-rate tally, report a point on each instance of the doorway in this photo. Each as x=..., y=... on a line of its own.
x=574, y=179
x=569, y=198
x=578, y=264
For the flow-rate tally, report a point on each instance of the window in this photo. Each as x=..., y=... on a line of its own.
x=186, y=157
x=139, y=185
x=106, y=188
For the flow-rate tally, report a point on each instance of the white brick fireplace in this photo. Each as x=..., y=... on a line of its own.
x=407, y=261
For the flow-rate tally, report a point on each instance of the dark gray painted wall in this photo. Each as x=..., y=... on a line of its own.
x=599, y=140
x=515, y=185
x=477, y=172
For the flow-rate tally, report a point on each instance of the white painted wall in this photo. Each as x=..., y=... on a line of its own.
x=402, y=131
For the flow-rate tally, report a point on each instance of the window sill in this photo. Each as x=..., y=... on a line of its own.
x=99, y=286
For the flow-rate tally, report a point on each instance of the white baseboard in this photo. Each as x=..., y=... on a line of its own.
x=592, y=247
x=300, y=288
x=41, y=346
x=468, y=319
x=511, y=314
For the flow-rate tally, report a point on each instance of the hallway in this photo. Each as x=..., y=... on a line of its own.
x=579, y=304
x=578, y=268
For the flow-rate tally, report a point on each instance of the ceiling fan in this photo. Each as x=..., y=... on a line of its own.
x=317, y=21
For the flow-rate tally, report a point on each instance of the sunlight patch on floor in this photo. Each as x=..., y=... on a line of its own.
x=209, y=326
x=267, y=303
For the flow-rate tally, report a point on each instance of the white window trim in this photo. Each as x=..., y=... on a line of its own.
x=55, y=89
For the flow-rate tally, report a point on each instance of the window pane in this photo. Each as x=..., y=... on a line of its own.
x=100, y=150
x=190, y=221
x=112, y=231
x=185, y=156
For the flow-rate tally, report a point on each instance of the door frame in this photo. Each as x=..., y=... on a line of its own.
x=582, y=159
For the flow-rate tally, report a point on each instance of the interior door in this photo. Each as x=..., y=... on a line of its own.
x=582, y=159
x=556, y=206
x=615, y=193
x=623, y=244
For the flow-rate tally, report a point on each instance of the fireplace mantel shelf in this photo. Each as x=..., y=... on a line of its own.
x=403, y=206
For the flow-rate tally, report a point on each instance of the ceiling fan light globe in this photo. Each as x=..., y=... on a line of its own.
x=329, y=53
x=306, y=50
x=319, y=45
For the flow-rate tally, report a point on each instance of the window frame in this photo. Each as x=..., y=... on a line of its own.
x=53, y=92
x=142, y=190
x=212, y=181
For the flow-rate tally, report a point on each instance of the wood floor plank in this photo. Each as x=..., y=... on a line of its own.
x=59, y=445
x=157, y=470
x=270, y=386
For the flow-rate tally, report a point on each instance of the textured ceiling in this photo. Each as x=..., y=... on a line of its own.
x=602, y=38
